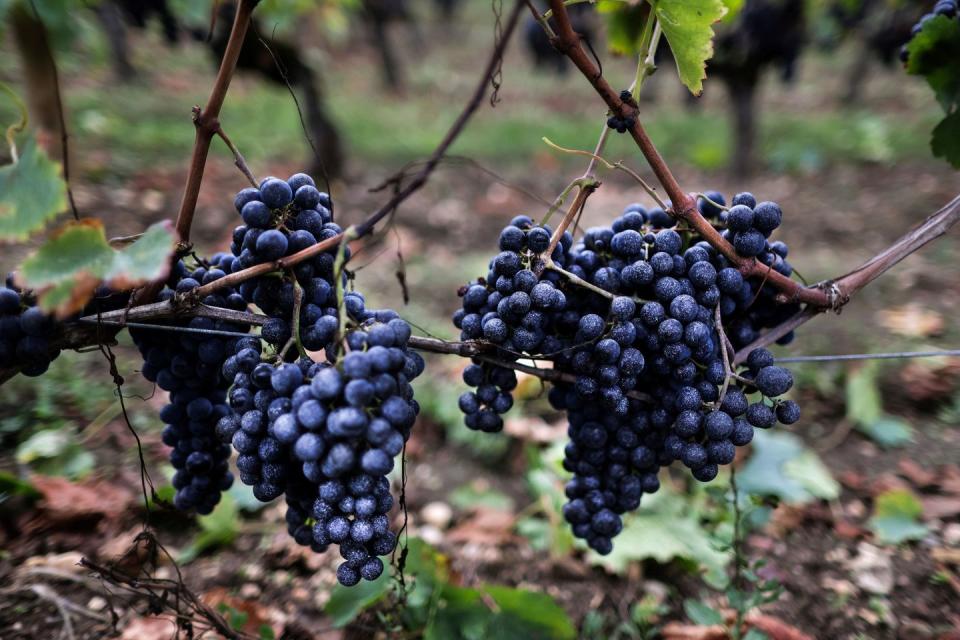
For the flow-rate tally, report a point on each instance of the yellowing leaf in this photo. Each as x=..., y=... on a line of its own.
x=32, y=192
x=687, y=27
x=66, y=270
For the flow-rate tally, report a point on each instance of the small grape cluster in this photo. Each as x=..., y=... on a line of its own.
x=648, y=379
x=326, y=435
x=280, y=218
x=24, y=332
x=188, y=366
x=945, y=8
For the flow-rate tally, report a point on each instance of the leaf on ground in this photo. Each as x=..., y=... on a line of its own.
x=54, y=452
x=913, y=321
x=32, y=192
x=700, y=613
x=484, y=526
x=149, y=628
x=863, y=396
x=346, y=603
x=247, y=616
x=65, y=502
x=218, y=528
x=11, y=485
x=896, y=517
x=468, y=496
x=527, y=614
x=888, y=432
x=665, y=528
x=66, y=270
x=782, y=466
x=687, y=25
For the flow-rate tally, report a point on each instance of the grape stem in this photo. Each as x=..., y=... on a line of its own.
x=238, y=159
x=683, y=205
x=727, y=350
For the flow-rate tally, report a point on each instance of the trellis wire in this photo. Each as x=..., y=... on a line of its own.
x=870, y=356
x=164, y=327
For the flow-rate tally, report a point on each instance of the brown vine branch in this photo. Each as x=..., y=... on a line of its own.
x=567, y=42
x=844, y=287
x=206, y=120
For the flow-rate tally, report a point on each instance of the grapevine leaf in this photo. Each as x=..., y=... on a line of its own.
x=461, y=615
x=701, y=614
x=863, y=396
x=934, y=53
x=945, y=141
x=218, y=528
x=888, y=432
x=665, y=528
x=782, y=466
x=66, y=270
x=624, y=25
x=527, y=614
x=32, y=192
x=346, y=603
x=896, y=517
x=687, y=27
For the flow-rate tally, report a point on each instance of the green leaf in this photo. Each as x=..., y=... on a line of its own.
x=527, y=614
x=346, y=603
x=665, y=528
x=863, y=397
x=701, y=614
x=782, y=466
x=66, y=270
x=755, y=634
x=945, y=140
x=32, y=192
x=687, y=26
x=934, y=53
x=896, y=517
x=12, y=485
x=624, y=25
x=218, y=528
x=888, y=432
x=54, y=452
x=467, y=497
x=498, y=612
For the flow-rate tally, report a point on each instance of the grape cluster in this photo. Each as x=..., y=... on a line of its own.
x=279, y=219
x=945, y=8
x=188, y=366
x=646, y=380
x=24, y=332
x=326, y=435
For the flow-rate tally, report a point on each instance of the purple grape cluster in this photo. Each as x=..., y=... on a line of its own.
x=325, y=435
x=647, y=372
x=946, y=8
x=188, y=366
x=280, y=218
x=25, y=332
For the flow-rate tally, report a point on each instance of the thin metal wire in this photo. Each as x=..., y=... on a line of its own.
x=871, y=356
x=163, y=327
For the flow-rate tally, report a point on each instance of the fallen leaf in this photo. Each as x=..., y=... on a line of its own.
x=872, y=569
x=945, y=555
x=916, y=474
x=484, y=526
x=949, y=480
x=152, y=628
x=931, y=380
x=887, y=482
x=775, y=628
x=678, y=631
x=912, y=320
x=245, y=615
x=64, y=501
x=852, y=480
x=848, y=530
x=940, y=507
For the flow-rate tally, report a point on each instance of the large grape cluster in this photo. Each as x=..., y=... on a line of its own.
x=279, y=219
x=188, y=366
x=326, y=435
x=645, y=377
